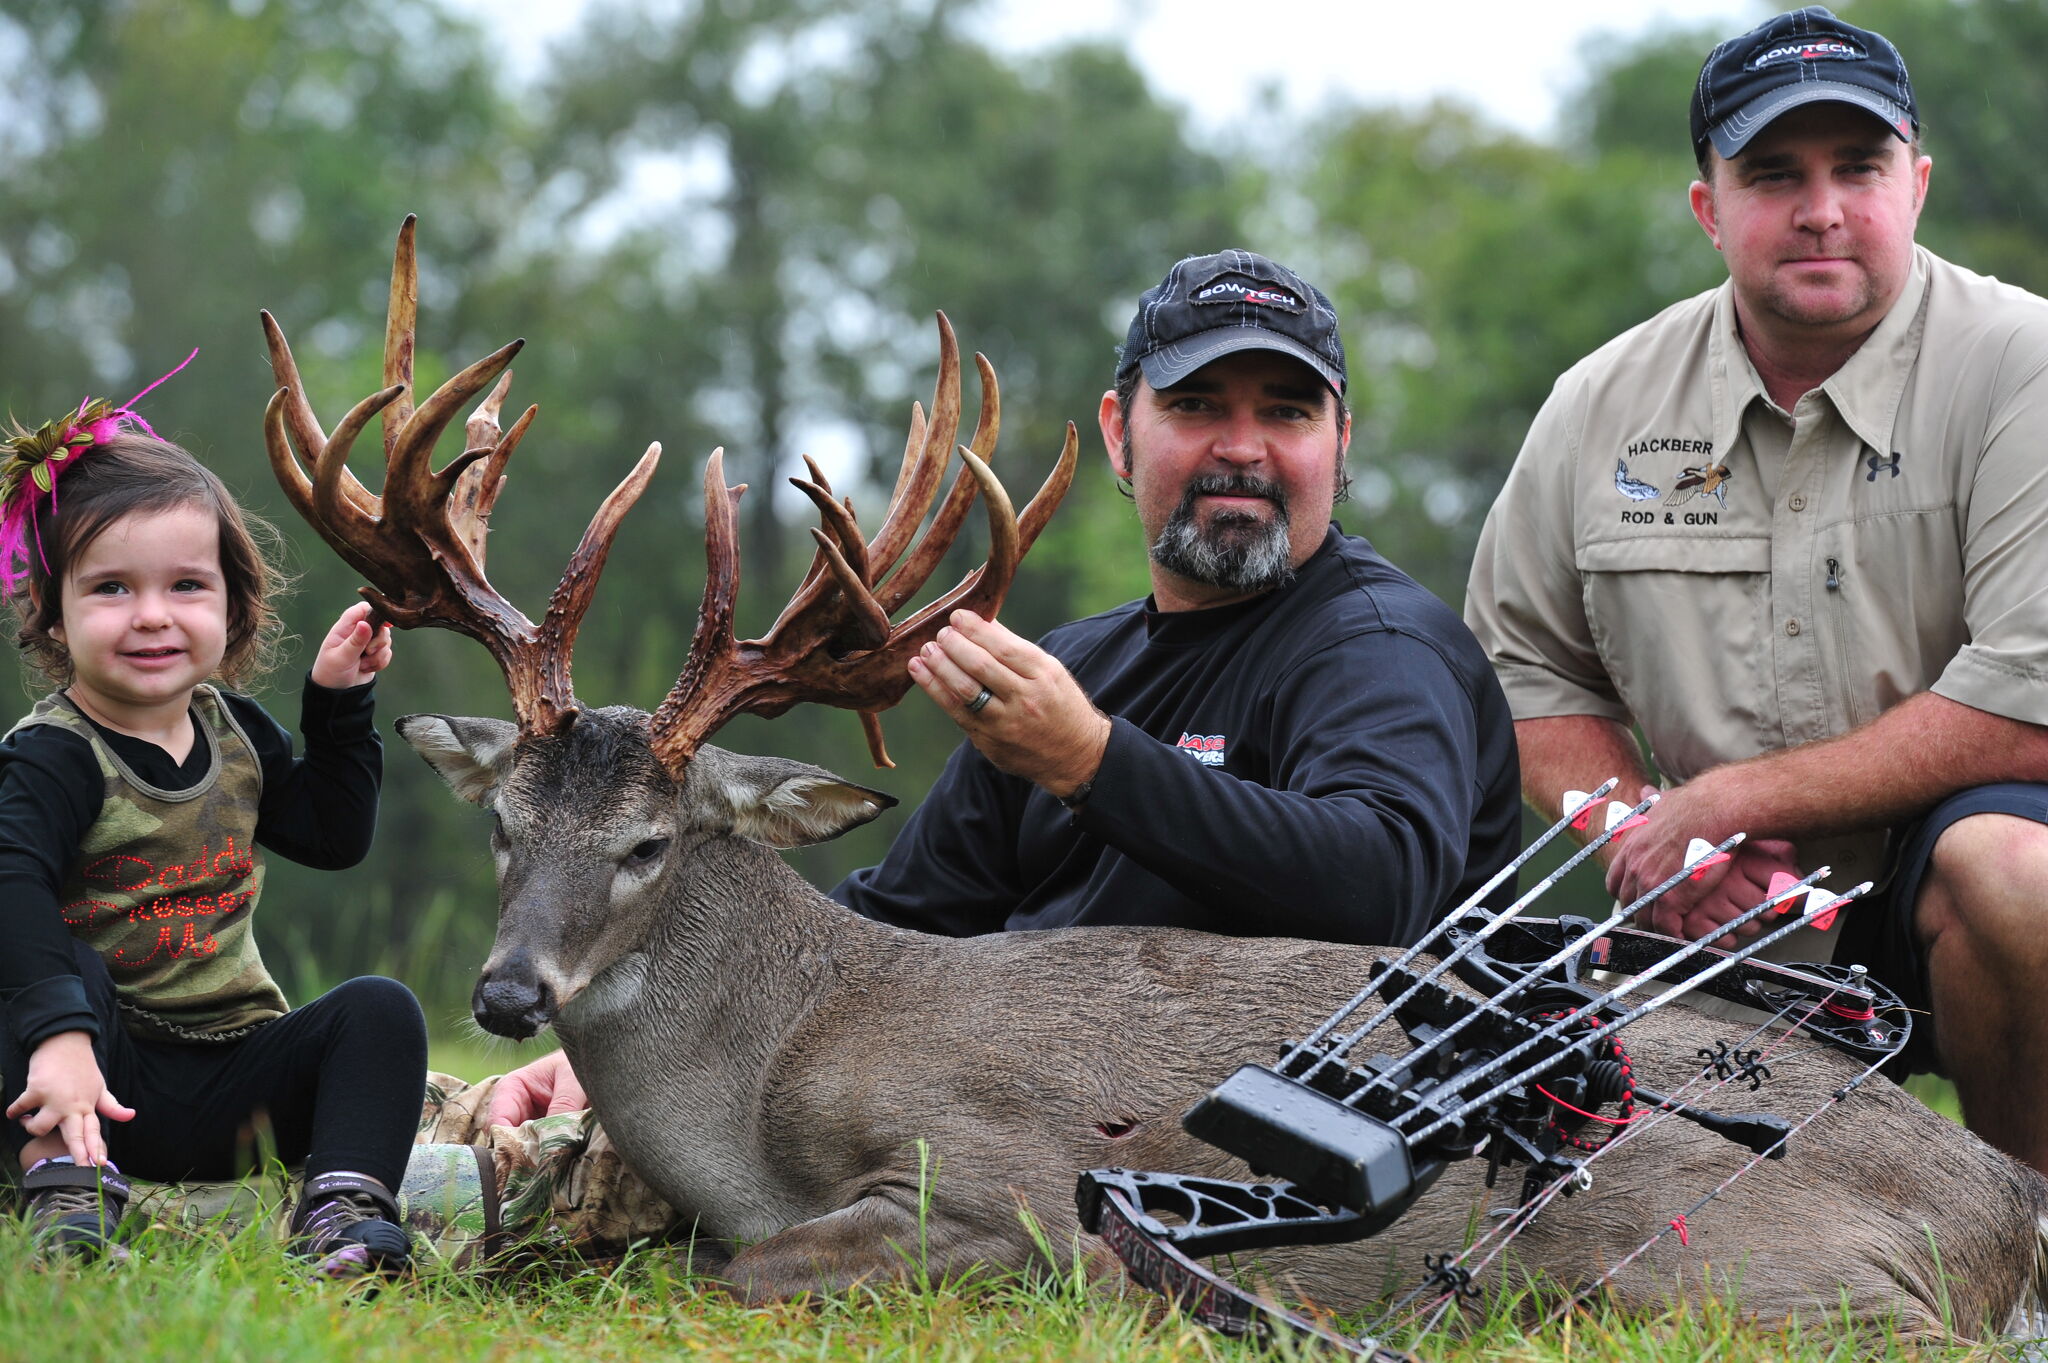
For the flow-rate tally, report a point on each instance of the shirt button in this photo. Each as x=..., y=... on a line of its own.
x=1798, y=502
x=1792, y=627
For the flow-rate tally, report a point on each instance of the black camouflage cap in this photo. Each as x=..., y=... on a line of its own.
x=1211, y=306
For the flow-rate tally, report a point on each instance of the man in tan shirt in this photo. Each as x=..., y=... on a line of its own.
x=1796, y=529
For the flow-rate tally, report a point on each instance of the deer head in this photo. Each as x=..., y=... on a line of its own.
x=601, y=813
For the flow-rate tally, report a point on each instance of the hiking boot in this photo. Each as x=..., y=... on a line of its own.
x=73, y=1209
x=347, y=1225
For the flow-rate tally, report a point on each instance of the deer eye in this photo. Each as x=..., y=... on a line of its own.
x=647, y=852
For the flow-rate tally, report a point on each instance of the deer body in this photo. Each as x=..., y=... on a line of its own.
x=769, y=1062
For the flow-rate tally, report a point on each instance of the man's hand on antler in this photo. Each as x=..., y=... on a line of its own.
x=1035, y=721
x=1650, y=854
x=353, y=652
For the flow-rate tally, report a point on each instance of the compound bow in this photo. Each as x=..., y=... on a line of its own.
x=1523, y=1067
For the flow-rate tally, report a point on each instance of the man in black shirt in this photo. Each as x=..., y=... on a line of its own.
x=1288, y=738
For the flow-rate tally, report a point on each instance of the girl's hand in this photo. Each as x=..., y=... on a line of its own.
x=352, y=653
x=66, y=1094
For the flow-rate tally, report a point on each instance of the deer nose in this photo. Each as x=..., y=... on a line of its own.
x=512, y=1000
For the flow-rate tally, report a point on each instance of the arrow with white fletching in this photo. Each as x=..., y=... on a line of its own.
x=1621, y=818
x=1699, y=855
x=1816, y=898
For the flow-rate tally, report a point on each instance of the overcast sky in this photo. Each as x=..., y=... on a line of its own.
x=1515, y=59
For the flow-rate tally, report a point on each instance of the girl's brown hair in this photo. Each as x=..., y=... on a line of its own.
x=135, y=474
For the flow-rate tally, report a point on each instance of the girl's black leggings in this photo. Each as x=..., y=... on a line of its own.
x=337, y=1084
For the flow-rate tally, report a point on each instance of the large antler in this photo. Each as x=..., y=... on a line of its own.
x=421, y=544
x=834, y=643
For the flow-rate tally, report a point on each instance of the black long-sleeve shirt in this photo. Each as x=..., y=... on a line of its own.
x=1332, y=760
x=319, y=810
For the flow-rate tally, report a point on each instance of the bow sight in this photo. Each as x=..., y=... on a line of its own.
x=1523, y=1065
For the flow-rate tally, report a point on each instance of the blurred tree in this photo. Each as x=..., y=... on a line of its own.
x=835, y=177
x=173, y=166
x=1976, y=69
x=1473, y=267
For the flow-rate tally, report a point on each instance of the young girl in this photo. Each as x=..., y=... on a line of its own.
x=133, y=800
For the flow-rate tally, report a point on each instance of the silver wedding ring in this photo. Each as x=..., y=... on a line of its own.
x=980, y=701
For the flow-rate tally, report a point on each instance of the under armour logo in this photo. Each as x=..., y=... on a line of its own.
x=1878, y=465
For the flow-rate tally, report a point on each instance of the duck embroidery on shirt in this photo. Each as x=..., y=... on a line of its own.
x=1700, y=479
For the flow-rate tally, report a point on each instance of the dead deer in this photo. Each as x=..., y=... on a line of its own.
x=774, y=1065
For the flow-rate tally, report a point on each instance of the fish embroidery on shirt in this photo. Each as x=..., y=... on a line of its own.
x=1635, y=489
x=1700, y=479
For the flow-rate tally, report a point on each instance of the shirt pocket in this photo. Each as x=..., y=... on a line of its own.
x=1683, y=628
x=1892, y=600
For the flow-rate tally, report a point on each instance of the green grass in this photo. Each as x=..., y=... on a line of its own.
x=195, y=1298
x=211, y=1295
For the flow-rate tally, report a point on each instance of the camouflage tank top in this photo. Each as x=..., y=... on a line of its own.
x=165, y=883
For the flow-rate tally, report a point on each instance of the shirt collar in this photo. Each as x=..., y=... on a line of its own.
x=1866, y=391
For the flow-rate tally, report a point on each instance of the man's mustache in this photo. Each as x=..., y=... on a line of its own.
x=1232, y=485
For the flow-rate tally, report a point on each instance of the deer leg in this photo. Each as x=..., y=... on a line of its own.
x=877, y=1238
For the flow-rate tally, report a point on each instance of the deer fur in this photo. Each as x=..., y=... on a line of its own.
x=769, y=1063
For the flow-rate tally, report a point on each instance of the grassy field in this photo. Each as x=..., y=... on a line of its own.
x=221, y=1297
x=216, y=1295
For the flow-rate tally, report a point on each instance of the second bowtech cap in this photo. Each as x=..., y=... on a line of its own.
x=1211, y=306
x=1802, y=57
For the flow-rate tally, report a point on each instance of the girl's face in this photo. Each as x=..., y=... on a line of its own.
x=145, y=613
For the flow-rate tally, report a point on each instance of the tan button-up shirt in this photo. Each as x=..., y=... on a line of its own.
x=1673, y=549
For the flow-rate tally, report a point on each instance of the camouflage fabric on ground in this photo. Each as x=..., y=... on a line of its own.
x=470, y=1188
x=558, y=1176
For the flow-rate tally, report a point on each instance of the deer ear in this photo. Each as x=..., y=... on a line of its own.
x=469, y=753
x=791, y=804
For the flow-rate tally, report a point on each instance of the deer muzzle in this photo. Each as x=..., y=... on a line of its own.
x=511, y=998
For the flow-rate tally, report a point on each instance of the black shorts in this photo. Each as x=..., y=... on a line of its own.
x=1879, y=931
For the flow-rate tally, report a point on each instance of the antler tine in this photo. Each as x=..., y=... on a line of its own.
x=696, y=705
x=871, y=729
x=296, y=418
x=332, y=461
x=911, y=445
x=983, y=589
x=298, y=487
x=919, y=485
x=477, y=484
x=910, y=577
x=482, y=431
x=870, y=621
x=840, y=527
x=1039, y=509
x=553, y=698
x=834, y=643
x=410, y=492
x=401, y=318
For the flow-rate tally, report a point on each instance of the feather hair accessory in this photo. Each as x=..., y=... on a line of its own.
x=31, y=462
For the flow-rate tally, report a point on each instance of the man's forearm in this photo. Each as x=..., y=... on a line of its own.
x=1896, y=767
x=1576, y=752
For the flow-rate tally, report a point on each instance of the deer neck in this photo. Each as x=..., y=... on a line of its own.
x=742, y=950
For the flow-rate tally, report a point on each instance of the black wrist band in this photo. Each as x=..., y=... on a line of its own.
x=1078, y=796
